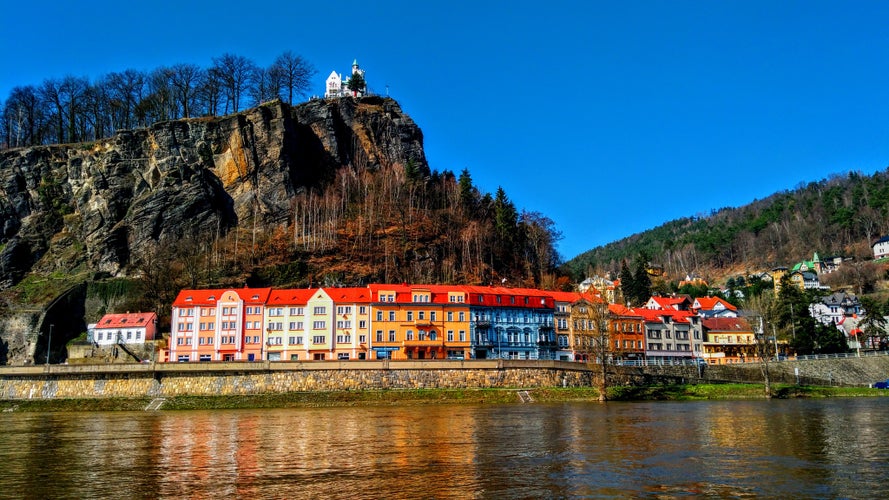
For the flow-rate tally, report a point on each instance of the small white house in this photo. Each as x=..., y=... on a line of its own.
x=881, y=247
x=338, y=87
x=129, y=328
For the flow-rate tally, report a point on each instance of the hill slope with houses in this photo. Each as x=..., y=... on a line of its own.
x=842, y=217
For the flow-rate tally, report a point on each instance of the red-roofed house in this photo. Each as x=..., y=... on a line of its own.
x=680, y=303
x=419, y=322
x=714, y=307
x=218, y=325
x=728, y=340
x=129, y=328
x=511, y=323
x=627, y=335
x=671, y=336
x=352, y=322
x=561, y=317
x=286, y=331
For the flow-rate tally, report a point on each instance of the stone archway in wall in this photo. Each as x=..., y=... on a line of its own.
x=59, y=323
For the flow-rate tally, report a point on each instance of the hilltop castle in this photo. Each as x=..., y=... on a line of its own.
x=337, y=87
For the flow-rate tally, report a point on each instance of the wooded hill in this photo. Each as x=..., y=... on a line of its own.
x=841, y=215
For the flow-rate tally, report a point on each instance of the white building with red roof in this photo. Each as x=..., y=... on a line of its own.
x=714, y=307
x=128, y=328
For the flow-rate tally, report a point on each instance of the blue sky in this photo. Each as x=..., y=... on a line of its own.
x=608, y=117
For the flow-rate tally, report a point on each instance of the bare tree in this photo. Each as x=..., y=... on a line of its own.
x=761, y=310
x=236, y=73
x=589, y=322
x=186, y=79
x=23, y=114
x=124, y=92
x=291, y=74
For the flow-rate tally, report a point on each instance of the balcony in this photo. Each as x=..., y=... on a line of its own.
x=423, y=343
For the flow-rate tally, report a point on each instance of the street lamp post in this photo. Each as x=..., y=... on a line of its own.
x=48, y=344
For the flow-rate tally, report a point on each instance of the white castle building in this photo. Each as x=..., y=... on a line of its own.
x=337, y=87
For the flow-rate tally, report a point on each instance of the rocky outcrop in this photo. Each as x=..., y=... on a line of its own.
x=98, y=206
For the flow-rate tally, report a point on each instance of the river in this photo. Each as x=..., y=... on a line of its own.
x=833, y=448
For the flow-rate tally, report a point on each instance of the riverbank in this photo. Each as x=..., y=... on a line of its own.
x=440, y=396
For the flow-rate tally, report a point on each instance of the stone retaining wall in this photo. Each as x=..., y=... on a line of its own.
x=219, y=379
x=222, y=379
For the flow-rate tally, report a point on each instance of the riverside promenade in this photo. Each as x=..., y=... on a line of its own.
x=264, y=377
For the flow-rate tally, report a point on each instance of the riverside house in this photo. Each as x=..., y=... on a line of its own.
x=416, y=321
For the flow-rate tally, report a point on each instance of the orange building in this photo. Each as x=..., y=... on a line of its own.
x=419, y=322
x=627, y=332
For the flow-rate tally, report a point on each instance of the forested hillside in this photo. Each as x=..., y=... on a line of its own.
x=840, y=215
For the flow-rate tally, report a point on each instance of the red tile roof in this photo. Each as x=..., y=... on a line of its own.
x=209, y=297
x=350, y=295
x=727, y=324
x=288, y=297
x=709, y=303
x=128, y=320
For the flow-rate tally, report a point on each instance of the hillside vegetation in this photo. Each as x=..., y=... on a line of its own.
x=841, y=215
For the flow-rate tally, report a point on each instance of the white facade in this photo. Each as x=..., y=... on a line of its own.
x=881, y=248
x=128, y=328
x=336, y=86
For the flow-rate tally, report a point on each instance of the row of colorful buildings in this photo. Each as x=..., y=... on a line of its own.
x=388, y=321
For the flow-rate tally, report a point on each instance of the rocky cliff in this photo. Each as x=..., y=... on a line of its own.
x=112, y=198
x=97, y=207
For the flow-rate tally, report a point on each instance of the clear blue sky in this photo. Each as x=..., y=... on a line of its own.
x=608, y=117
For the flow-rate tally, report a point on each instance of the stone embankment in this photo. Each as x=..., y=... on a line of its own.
x=220, y=379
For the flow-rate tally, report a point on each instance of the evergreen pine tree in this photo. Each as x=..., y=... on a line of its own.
x=641, y=283
x=627, y=285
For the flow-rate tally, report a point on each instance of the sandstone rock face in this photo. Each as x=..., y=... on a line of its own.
x=100, y=205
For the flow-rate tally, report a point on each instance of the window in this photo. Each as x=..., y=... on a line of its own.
x=294, y=357
x=256, y=339
x=343, y=356
x=362, y=310
x=462, y=316
x=205, y=357
x=318, y=339
x=379, y=315
x=319, y=325
x=362, y=339
x=344, y=310
x=421, y=315
x=462, y=335
x=362, y=324
x=450, y=335
x=183, y=358
x=320, y=310
x=432, y=316
x=276, y=311
x=391, y=335
x=450, y=315
x=410, y=315
x=343, y=339
x=391, y=315
x=139, y=335
x=379, y=335
x=409, y=335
